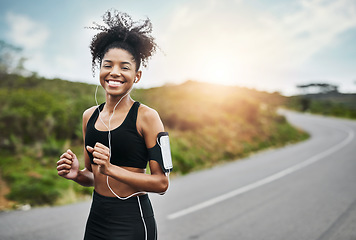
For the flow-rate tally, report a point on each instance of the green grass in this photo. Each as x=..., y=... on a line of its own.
x=208, y=125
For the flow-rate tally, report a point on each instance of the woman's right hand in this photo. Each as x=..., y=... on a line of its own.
x=68, y=165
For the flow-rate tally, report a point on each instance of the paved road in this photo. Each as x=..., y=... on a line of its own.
x=303, y=191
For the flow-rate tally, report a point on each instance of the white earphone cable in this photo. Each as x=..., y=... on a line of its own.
x=109, y=140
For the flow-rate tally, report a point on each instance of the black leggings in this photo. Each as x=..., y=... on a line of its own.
x=111, y=218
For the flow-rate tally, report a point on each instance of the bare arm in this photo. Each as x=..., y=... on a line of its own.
x=68, y=164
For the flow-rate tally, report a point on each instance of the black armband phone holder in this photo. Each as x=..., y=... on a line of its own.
x=161, y=152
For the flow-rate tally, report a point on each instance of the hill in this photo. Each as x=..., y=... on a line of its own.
x=208, y=124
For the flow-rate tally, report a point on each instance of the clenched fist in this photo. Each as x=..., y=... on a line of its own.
x=68, y=165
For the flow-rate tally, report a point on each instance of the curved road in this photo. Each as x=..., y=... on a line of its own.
x=302, y=191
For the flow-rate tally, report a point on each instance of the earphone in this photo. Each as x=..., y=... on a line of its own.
x=109, y=140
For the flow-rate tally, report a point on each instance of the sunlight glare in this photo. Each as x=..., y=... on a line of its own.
x=219, y=70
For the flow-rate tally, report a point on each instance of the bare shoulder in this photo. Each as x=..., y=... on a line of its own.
x=148, y=114
x=149, y=122
x=87, y=113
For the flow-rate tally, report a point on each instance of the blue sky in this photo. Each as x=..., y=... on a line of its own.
x=269, y=45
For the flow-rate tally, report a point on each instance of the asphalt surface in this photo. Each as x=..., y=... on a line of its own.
x=302, y=191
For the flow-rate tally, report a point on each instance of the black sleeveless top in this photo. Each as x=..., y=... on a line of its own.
x=128, y=148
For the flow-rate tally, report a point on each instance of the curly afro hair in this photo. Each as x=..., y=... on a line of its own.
x=124, y=33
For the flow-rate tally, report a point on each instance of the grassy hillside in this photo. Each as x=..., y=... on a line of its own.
x=211, y=123
x=208, y=124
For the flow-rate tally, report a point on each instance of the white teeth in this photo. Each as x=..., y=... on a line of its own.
x=115, y=83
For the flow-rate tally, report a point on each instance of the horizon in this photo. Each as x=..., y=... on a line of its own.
x=269, y=46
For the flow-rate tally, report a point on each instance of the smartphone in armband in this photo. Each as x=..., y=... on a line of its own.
x=163, y=141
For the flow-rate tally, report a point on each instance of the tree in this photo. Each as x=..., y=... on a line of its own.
x=318, y=88
x=11, y=60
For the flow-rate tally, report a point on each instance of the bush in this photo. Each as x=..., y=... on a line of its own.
x=35, y=191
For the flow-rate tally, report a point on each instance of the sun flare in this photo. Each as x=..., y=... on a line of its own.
x=218, y=70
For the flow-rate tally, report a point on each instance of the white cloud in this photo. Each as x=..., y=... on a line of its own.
x=26, y=32
x=257, y=47
x=316, y=25
x=71, y=62
x=229, y=42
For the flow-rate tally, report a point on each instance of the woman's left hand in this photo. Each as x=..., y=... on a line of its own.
x=101, y=154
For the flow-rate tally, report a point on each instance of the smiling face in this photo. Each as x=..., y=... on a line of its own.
x=118, y=72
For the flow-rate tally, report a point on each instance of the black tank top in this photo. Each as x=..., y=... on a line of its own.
x=128, y=148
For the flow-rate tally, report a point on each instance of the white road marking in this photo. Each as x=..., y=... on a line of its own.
x=266, y=180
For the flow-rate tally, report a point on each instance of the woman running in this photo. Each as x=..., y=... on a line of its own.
x=121, y=137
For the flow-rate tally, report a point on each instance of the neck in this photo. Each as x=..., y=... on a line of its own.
x=115, y=102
